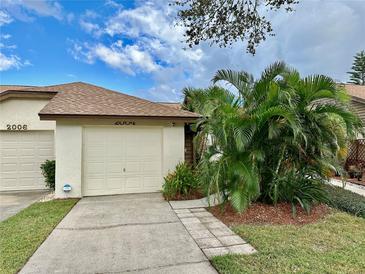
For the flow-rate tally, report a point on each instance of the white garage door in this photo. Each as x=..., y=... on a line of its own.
x=121, y=160
x=21, y=154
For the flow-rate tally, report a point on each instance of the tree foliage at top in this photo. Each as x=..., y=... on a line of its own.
x=357, y=73
x=276, y=138
x=224, y=22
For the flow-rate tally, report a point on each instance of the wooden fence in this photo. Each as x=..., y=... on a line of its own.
x=356, y=154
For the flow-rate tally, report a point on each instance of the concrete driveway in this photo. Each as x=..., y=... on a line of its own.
x=12, y=202
x=136, y=233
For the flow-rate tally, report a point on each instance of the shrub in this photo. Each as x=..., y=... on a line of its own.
x=49, y=171
x=298, y=189
x=263, y=128
x=180, y=182
x=346, y=200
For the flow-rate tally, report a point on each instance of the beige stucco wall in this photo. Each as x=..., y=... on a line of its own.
x=24, y=112
x=172, y=147
x=69, y=134
x=68, y=159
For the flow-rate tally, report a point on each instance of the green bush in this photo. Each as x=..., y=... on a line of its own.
x=49, y=171
x=297, y=189
x=251, y=136
x=180, y=182
x=346, y=200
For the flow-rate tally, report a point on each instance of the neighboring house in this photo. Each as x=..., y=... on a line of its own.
x=356, y=153
x=104, y=142
x=357, y=94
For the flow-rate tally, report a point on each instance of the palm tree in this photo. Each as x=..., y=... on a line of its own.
x=269, y=132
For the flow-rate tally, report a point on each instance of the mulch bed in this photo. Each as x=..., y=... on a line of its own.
x=190, y=196
x=260, y=214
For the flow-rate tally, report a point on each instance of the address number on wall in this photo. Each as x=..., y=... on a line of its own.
x=16, y=127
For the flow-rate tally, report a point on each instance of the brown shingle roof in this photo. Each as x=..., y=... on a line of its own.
x=171, y=105
x=82, y=99
x=13, y=87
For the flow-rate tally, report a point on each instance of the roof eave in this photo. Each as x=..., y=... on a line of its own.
x=26, y=94
x=52, y=116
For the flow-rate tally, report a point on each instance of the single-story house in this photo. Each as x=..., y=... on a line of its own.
x=104, y=142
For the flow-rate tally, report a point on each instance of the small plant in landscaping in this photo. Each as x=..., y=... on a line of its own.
x=298, y=189
x=181, y=182
x=49, y=171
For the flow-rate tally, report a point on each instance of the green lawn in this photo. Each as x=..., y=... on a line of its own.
x=22, y=234
x=336, y=244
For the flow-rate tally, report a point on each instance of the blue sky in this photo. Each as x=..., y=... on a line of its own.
x=135, y=47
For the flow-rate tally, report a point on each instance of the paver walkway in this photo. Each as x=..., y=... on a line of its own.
x=137, y=233
x=212, y=236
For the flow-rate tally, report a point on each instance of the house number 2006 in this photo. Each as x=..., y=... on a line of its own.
x=16, y=127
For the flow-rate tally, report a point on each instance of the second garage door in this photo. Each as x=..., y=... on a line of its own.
x=21, y=154
x=122, y=160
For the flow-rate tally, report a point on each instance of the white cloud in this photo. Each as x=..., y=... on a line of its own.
x=90, y=27
x=140, y=58
x=129, y=59
x=319, y=37
x=5, y=18
x=112, y=57
x=80, y=52
x=87, y=24
x=25, y=9
x=11, y=61
x=5, y=36
x=3, y=46
x=44, y=8
x=70, y=17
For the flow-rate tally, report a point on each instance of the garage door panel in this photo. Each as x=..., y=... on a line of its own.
x=151, y=166
x=93, y=154
x=133, y=167
x=114, y=168
x=129, y=155
x=8, y=183
x=26, y=180
x=9, y=167
x=46, y=151
x=27, y=151
x=45, y=138
x=114, y=152
x=95, y=168
x=133, y=183
x=152, y=182
x=28, y=167
x=21, y=154
x=9, y=152
x=9, y=175
x=114, y=184
x=95, y=183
